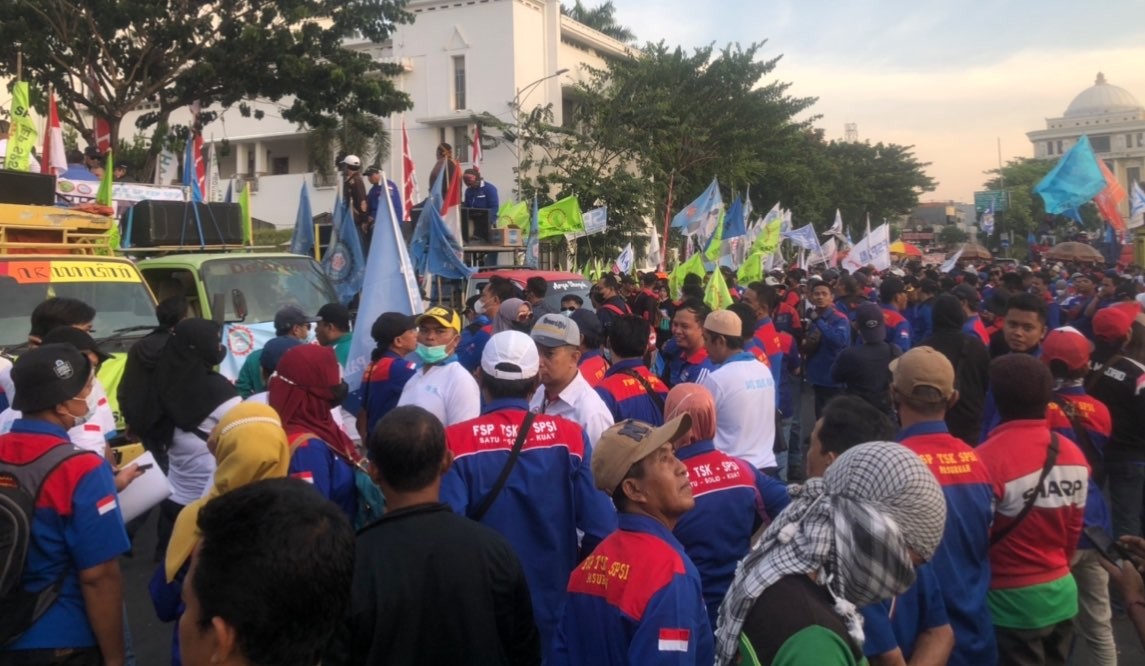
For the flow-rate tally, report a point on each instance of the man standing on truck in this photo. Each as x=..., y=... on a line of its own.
x=354, y=193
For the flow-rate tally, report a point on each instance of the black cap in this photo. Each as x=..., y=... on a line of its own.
x=891, y=286
x=49, y=375
x=390, y=325
x=965, y=292
x=586, y=321
x=870, y=322
x=76, y=338
x=289, y=317
x=335, y=313
x=371, y=170
x=274, y=349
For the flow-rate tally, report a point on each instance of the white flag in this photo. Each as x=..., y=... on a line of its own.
x=654, y=249
x=950, y=263
x=1136, y=206
x=829, y=253
x=874, y=250
x=214, y=183
x=624, y=261
x=166, y=168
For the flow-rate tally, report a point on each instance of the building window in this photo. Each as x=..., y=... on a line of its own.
x=279, y=166
x=1059, y=147
x=1128, y=140
x=250, y=162
x=1140, y=139
x=1100, y=143
x=1049, y=147
x=460, y=143
x=458, y=82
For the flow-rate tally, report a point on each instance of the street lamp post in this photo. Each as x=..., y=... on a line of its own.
x=518, y=100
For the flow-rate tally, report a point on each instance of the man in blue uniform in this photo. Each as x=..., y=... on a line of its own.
x=828, y=333
x=893, y=297
x=480, y=194
x=628, y=389
x=637, y=598
x=396, y=337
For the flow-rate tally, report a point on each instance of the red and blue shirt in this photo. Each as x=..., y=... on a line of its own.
x=626, y=397
x=77, y=525
x=1094, y=417
x=961, y=562
x=898, y=328
x=683, y=367
x=767, y=347
x=549, y=496
x=314, y=462
x=636, y=599
x=382, y=386
x=835, y=330
x=733, y=499
x=593, y=367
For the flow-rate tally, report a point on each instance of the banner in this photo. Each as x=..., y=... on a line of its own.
x=240, y=341
x=595, y=222
x=1136, y=206
x=22, y=133
x=873, y=250
x=513, y=214
x=81, y=190
x=166, y=168
x=560, y=218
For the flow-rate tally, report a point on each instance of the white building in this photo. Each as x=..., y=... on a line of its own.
x=1114, y=121
x=459, y=59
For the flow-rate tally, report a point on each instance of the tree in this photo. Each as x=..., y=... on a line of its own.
x=601, y=18
x=952, y=235
x=111, y=57
x=1026, y=211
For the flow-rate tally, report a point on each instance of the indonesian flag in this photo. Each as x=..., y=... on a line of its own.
x=197, y=160
x=674, y=640
x=409, y=176
x=106, y=505
x=54, y=160
x=102, y=136
x=476, y=162
x=453, y=194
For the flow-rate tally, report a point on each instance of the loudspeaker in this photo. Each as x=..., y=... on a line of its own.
x=22, y=187
x=475, y=224
x=154, y=223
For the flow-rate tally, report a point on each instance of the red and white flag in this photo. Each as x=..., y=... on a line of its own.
x=102, y=136
x=409, y=176
x=54, y=160
x=197, y=150
x=452, y=193
x=674, y=640
x=475, y=162
x=106, y=505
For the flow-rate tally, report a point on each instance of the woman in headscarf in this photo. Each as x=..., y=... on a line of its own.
x=193, y=398
x=733, y=498
x=850, y=538
x=307, y=383
x=513, y=315
x=249, y=445
x=970, y=358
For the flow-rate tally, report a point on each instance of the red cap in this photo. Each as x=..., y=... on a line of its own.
x=1112, y=323
x=1068, y=345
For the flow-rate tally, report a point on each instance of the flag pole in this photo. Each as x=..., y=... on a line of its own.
x=667, y=220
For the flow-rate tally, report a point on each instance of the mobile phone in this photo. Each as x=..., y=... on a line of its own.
x=1108, y=548
x=146, y=466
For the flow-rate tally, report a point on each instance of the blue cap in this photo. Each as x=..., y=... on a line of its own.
x=274, y=350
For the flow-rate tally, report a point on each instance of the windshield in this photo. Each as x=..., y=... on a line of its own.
x=267, y=285
x=120, y=302
x=557, y=290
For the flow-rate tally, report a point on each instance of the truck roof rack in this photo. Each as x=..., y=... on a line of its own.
x=50, y=230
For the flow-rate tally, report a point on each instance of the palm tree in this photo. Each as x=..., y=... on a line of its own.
x=602, y=18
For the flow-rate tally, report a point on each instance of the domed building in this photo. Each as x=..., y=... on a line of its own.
x=1114, y=121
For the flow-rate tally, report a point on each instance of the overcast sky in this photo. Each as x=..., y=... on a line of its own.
x=950, y=78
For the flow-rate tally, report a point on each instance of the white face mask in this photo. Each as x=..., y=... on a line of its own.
x=92, y=404
x=479, y=307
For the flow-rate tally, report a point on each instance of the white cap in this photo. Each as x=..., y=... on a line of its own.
x=352, y=161
x=510, y=355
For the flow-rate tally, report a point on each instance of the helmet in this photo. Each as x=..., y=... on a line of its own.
x=352, y=161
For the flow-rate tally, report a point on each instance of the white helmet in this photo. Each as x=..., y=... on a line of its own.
x=352, y=161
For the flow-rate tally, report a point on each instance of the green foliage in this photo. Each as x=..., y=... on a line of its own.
x=952, y=235
x=358, y=134
x=601, y=18
x=110, y=57
x=1027, y=212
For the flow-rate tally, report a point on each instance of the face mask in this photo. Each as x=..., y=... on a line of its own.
x=92, y=403
x=607, y=354
x=338, y=394
x=479, y=307
x=220, y=356
x=431, y=355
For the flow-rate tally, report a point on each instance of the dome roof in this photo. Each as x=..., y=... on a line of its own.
x=1102, y=98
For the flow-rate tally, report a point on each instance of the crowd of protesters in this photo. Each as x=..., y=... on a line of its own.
x=627, y=481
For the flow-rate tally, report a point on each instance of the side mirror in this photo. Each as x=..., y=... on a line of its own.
x=238, y=303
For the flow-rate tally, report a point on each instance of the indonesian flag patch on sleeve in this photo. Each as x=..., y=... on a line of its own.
x=674, y=640
x=308, y=477
x=106, y=504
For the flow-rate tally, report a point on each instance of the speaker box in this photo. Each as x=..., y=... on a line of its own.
x=475, y=224
x=154, y=223
x=22, y=187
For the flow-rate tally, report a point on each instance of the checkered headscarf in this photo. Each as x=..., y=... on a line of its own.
x=852, y=528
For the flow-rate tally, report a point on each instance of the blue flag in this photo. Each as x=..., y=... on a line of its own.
x=441, y=259
x=1073, y=181
x=1073, y=214
x=734, y=223
x=805, y=237
x=189, y=179
x=533, y=246
x=701, y=215
x=230, y=191
x=392, y=288
x=302, y=240
x=344, y=263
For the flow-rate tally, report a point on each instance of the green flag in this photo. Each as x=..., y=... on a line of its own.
x=751, y=270
x=515, y=214
x=103, y=195
x=561, y=218
x=244, y=204
x=716, y=295
x=694, y=265
x=768, y=241
x=22, y=133
x=716, y=243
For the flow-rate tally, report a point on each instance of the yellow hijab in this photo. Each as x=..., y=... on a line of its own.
x=249, y=445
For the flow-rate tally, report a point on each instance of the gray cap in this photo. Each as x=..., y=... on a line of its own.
x=556, y=330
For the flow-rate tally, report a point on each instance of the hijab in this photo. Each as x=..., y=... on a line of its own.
x=189, y=388
x=854, y=528
x=507, y=316
x=249, y=445
x=302, y=390
x=697, y=402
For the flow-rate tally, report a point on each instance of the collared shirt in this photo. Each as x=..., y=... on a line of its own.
x=744, y=394
x=446, y=390
x=341, y=348
x=766, y=346
x=627, y=398
x=382, y=386
x=637, y=599
x=483, y=196
x=683, y=367
x=579, y=403
x=835, y=331
x=76, y=525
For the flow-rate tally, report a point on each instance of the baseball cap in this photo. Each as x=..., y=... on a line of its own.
x=627, y=443
x=965, y=292
x=442, y=315
x=772, y=282
x=76, y=338
x=49, y=375
x=289, y=317
x=1068, y=345
x=274, y=349
x=586, y=322
x=352, y=161
x=1112, y=323
x=724, y=322
x=371, y=170
x=335, y=313
x=923, y=366
x=554, y=330
x=510, y=355
x=390, y=325
x=890, y=287
x=871, y=322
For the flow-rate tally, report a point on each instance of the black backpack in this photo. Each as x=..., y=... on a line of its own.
x=20, y=487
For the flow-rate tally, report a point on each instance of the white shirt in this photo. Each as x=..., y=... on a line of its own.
x=90, y=436
x=192, y=465
x=447, y=391
x=578, y=403
x=336, y=413
x=744, y=393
